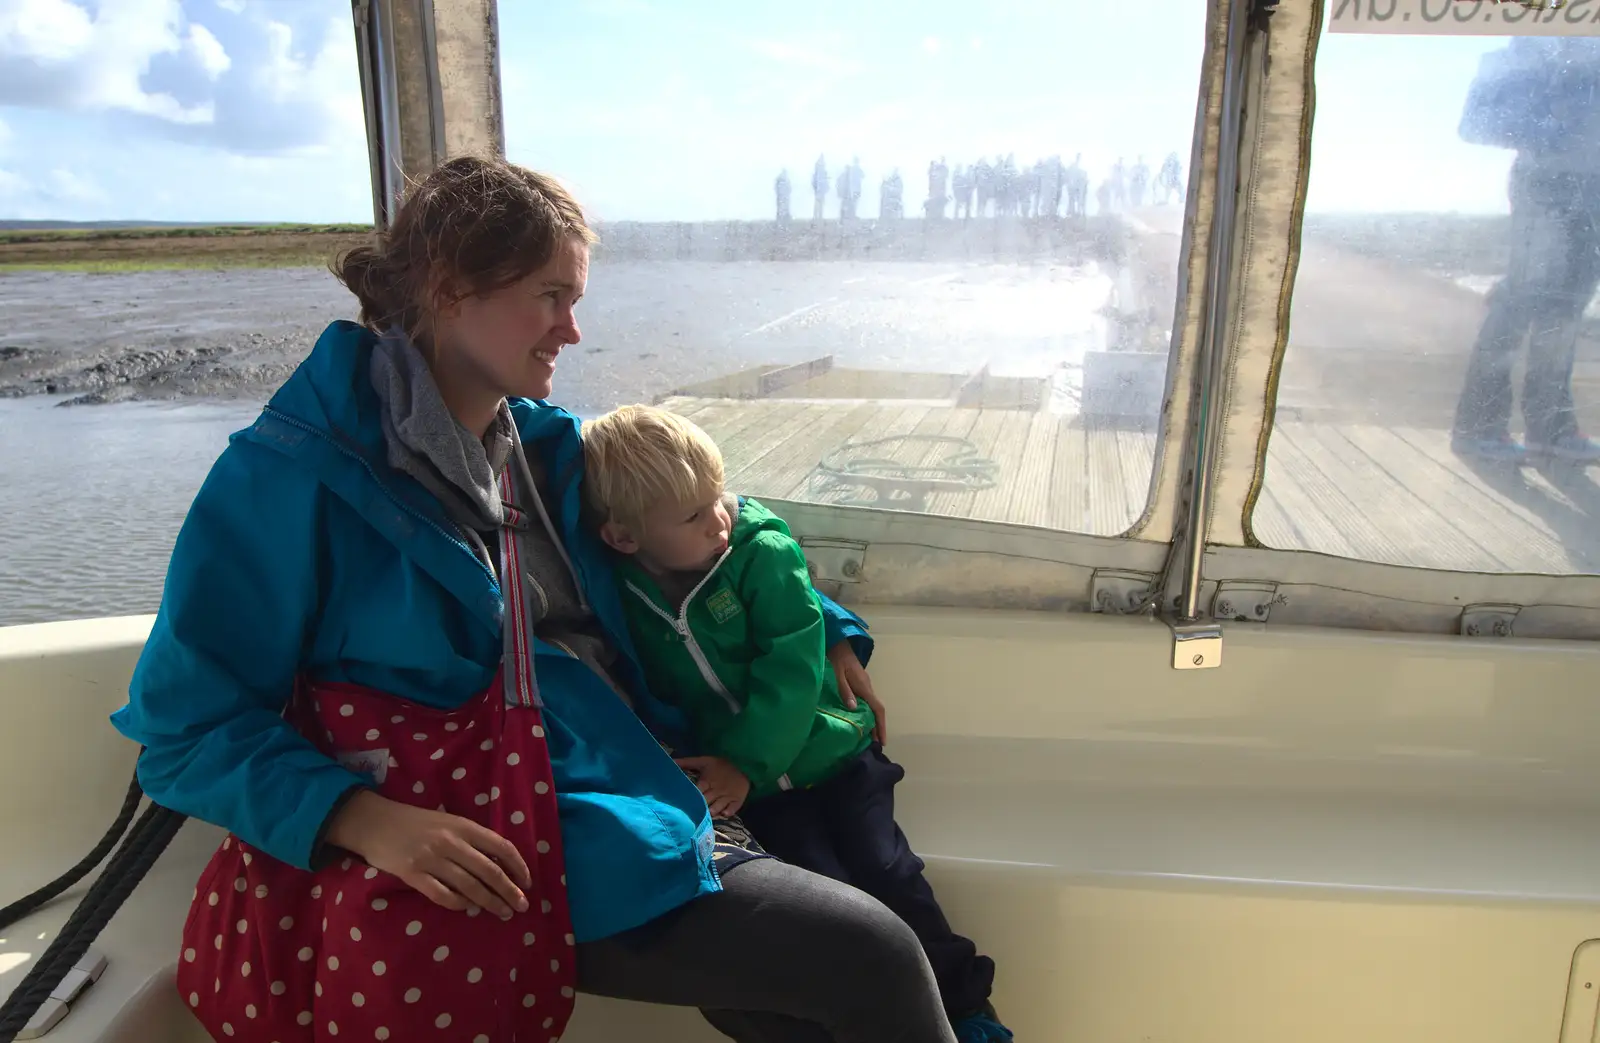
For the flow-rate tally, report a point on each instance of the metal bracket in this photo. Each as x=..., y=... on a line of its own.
x=1196, y=646
x=1246, y=601
x=84, y=973
x=1118, y=592
x=1489, y=620
x=832, y=560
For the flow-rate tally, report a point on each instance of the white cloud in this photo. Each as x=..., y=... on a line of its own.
x=47, y=30
x=74, y=189
x=5, y=135
x=208, y=51
x=931, y=44
x=236, y=6
x=13, y=187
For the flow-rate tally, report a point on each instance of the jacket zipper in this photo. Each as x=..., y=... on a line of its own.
x=680, y=623
x=841, y=717
x=418, y=515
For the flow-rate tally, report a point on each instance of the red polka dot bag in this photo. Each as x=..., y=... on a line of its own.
x=276, y=954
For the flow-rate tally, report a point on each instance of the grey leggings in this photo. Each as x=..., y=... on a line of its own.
x=780, y=956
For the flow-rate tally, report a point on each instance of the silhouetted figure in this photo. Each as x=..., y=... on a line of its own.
x=963, y=186
x=1005, y=185
x=782, y=190
x=1170, y=179
x=938, y=189
x=819, y=186
x=1538, y=96
x=1053, y=182
x=1119, y=185
x=1102, y=197
x=1077, y=188
x=1139, y=182
x=983, y=181
x=892, y=197
x=849, y=187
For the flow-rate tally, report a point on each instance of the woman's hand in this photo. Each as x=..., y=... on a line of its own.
x=724, y=786
x=453, y=861
x=854, y=683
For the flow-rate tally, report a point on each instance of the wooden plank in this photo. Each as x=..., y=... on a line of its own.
x=1109, y=513
x=787, y=376
x=1003, y=503
x=1523, y=496
x=1305, y=524
x=735, y=420
x=1036, y=471
x=1502, y=536
x=1138, y=448
x=764, y=426
x=1270, y=521
x=791, y=462
x=1069, y=477
x=887, y=422
x=1327, y=506
x=984, y=436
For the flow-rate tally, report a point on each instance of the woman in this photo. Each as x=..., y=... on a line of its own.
x=388, y=566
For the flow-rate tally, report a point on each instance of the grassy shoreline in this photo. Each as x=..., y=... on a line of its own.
x=187, y=247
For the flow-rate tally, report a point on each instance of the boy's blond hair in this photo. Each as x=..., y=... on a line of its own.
x=637, y=457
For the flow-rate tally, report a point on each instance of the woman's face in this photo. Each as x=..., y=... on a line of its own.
x=505, y=343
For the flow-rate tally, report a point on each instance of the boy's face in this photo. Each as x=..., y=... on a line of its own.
x=675, y=539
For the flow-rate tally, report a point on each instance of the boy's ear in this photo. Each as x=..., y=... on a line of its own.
x=618, y=538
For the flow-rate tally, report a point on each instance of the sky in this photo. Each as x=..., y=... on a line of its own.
x=250, y=110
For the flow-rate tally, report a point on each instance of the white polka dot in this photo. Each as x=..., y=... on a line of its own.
x=380, y=904
x=382, y=1033
x=261, y=890
x=555, y=965
x=412, y=995
x=397, y=719
x=451, y=726
x=459, y=774
x=333, y=963
x=239, y=884
x=566, y=990
x=494, y=792
x=358, y=999
x=380, y=968
x=372, y=733
x=303, y=1018
x=279, y=988
x=571, y=940
x=347, y=710
x=538, y=732
x=481, y=799
x=188, y=956
x=442, y=1021
x=518, y=818
x=304, y=954
x=541, y=788
x=393, y=763
x=441, y=954
x=527, y=939
x=324, y=923
x=216, y=943
x=211, y=899
x=545, y=906
x=194, y=999
x=480, y=1039
x=549, y=1021
x=316, y=890
x=216, y=986
x=528, y=1000
x=227, y=1029
x=355, y=934
x=474, y=976
x=563, y=880
x=370, y=874
x=417, y=787
x=338, y=898
x=286, y=923
x=317, y=988
x=421, y=736
x=486, y=745
x=543, y=847
x=333, y=1028
x=244, y=969
x=414, y=928
x=250, y=1010
x=248, y=858
x=513, y=759
x=242, y=926
x=346, y=864
x=436, y=755
x=227, y=842
x=513, y=974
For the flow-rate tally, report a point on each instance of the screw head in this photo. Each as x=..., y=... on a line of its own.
x=1198, y=659
x=852, y=568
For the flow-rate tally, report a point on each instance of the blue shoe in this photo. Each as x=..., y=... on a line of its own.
x=1503, y=448
x=982, y=1027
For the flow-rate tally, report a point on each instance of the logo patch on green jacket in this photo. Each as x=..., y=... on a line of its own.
x=723, y=606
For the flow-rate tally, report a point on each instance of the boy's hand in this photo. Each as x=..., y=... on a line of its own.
x=724, y=786
x=854, y=682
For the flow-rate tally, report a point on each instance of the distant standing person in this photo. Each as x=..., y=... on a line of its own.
x=1077, y=184
x=938, y=189
x=1139, y=181
x=782, y=189
x=891, y=197
x=1537, y=96
x=819, y=186
x=963, y=192
x=1170, y=179
x=983, y=179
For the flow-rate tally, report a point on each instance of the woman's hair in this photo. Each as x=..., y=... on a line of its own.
x=637, y=457
x=472, y=226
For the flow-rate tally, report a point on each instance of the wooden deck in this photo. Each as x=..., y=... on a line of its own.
x=1394, y=495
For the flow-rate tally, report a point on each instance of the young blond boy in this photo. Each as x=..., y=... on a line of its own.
x=729, y=628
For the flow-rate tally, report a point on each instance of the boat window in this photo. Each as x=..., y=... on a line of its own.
x=1441, y=381
x=917, y=260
